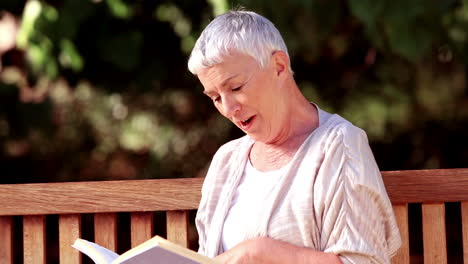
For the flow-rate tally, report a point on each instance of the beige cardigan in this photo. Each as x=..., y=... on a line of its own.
x=332, y=198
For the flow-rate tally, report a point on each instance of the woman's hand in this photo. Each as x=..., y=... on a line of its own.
x=263, y=250
x=249, y=251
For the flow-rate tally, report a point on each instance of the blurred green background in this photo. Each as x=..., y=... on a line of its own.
x=99, y=89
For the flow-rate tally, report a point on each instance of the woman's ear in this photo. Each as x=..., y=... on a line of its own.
x=280, y=62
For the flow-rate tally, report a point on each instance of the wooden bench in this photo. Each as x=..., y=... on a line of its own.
x=34, y=203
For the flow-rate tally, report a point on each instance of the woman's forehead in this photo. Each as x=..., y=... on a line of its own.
x=216, y=76
x=239, y=63
x=228, y=69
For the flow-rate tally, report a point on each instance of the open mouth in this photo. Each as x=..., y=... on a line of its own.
x=247, y=122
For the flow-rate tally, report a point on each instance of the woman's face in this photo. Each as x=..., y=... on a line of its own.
x=246, y=94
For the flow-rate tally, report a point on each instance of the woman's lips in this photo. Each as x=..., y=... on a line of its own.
x=246, y=124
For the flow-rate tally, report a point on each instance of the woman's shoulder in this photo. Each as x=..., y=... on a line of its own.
x=226, y=159
x=336, y=128
x=233, y=145
x=348, y=142
x=227, y=151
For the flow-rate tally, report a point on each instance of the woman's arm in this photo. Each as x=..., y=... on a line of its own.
x=269, y=251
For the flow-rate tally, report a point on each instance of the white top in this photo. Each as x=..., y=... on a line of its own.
x=254, y=188
x=331, y=197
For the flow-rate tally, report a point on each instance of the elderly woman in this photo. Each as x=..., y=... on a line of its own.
x=302, y=186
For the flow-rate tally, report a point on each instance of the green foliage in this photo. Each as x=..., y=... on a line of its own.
x=102, y=91
x=410, y=27
x=120, y=9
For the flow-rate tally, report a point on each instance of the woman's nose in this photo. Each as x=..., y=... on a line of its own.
x=230, y=107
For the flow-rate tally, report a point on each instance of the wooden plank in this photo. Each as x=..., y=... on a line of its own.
x=107, y=196
x=426, y=186
x=141, y=227
x=69, y=231
x=464, y=213
x=177, y=227
x=6, y=239
x=34, y=239
x=105, y=230
x=184, y=194
x=403, y=254
x=434, y=237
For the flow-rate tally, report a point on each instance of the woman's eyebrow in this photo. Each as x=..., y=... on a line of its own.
x=228, y=79
x=209, y=93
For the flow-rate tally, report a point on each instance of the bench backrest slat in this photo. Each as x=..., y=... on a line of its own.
x=100, y=197
x=6, y=239
x=426, y=186
x=434, y=237
x=105, y=230
x=69, y=231
x=177, y=227
x=142, y=226
x=464, y=211
x=34, y=239
x=403, y=254
x=184, y=194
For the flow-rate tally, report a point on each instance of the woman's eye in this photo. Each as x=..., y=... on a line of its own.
x=236, y=88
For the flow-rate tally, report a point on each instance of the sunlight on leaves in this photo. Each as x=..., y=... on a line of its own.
x=33, y=38
x=138, y=132
x=368, y=113
x=120, y=9
x=31, y=13
x=69, y=56
x=180, y=23
x=219, y=6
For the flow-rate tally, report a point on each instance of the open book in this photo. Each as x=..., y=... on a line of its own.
x=155, y=250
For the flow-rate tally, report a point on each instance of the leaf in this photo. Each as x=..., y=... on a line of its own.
x=120, y=9
x=69, y=56
x=403, y=11
x=367, y=10
x=412, y=41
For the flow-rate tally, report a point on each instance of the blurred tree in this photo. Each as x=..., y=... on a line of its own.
x=99, y=90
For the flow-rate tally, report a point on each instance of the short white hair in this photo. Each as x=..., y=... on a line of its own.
x=245, y=32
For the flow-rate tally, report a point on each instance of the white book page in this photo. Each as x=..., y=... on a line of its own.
x=161, y=251
x=99, y=254
x=154, y=255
